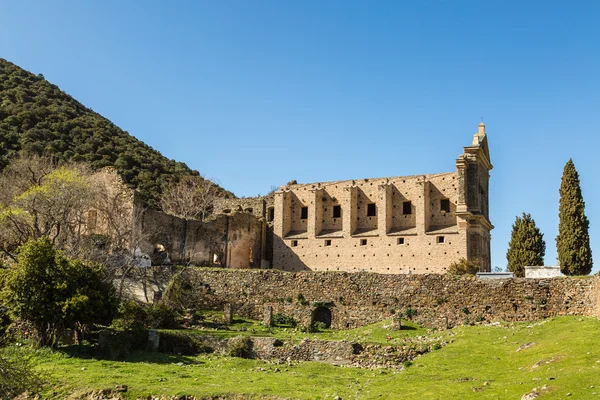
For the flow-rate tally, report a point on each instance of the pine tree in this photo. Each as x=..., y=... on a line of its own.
x=573, y=240
x=526, y=246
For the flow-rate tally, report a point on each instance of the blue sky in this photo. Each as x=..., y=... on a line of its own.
x=256, y=93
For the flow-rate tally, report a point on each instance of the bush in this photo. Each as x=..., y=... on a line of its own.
x=301, y=300
x=161, y=316
x=119, y=344
x=410, y=313
x=319, y=326
x=239, y=346
x=52, y=291
x=183, y=343
x=133, y=315
x=16, y=375
x=283, y=320
x=464, y=267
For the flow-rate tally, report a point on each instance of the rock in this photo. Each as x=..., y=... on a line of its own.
x=525, y=346
x=121, y=388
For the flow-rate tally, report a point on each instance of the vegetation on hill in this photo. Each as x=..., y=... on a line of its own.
x=36, y=117
x=573, y=240
x=526, y=246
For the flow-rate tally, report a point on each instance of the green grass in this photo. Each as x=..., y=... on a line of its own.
x=481, y=362
x=379, y=333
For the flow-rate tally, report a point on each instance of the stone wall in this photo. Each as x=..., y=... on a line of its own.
x=233, y=241
x=417, y=224
x=357, y=299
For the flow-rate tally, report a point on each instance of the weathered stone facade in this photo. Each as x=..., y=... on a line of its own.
x=357, y=299
x=234, y=241
x=411, y=224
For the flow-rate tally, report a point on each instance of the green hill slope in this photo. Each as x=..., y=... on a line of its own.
x=37, y=117
x=556, y=359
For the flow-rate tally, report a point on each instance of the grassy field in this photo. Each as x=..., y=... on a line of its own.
x=377, y=333
x=481, y=362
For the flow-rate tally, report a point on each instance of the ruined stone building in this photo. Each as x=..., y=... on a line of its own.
x=406, y=224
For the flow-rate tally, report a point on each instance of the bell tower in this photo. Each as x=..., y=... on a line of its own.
x=472, y=210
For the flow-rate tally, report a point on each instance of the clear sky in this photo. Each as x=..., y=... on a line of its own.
x=256, y=93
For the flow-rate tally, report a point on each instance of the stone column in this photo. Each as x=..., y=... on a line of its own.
x=315, y=213
x=397, y=321
x=228, y=314
x=153, y=340
x=349, y=210
x=422, y=206
x=384, y=209
x=268, y=316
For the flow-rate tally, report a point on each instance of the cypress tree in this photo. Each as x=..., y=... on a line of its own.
x=526, y=246
x=573, y=240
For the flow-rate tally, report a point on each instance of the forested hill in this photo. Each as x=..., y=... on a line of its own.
x=36, y=117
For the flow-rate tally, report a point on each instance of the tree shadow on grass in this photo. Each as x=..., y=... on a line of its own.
x=407, y=328
x=91, y=352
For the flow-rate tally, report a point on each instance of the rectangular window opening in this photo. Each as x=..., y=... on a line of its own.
x=445, y=205
x=337, y=211
x=294, y=243
x=407, y=207
x=371, y=210
x=400, y=240
x=363, y=242
x=328, y=242
x=271, y=214
x=304, y=213
x=440, y=239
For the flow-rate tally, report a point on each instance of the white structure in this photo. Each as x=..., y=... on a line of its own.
x=543, y=272
x=495, y=275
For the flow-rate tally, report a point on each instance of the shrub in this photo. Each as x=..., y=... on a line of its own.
x=131, y=315
x=119, y=344
x=183, y=343
x=410, y=313
x=16, y=375
x=407, y=364
x=52, y=291
x=464, y=267
x=239, y=346
x=319, y=326
x=301, y=300
x=161, y=316
x=283, y=320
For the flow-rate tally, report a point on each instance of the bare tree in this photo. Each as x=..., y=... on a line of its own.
x=190, y=198
x=42, y=199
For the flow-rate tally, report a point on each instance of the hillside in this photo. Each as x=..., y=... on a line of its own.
x=552, y=359
x=36, y=117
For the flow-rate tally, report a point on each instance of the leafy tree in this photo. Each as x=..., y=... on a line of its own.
x=464, y=267
x=526, y=246
x=573, y=240
x=43, y=200
x=53, y=292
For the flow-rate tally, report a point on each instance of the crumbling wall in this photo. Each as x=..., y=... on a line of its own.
x=357, y=299
x=233, y=241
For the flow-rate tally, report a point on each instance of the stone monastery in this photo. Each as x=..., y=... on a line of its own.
x=401, y=225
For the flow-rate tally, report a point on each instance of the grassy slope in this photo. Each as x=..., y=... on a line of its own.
x=377, y=333
x=478, y=355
